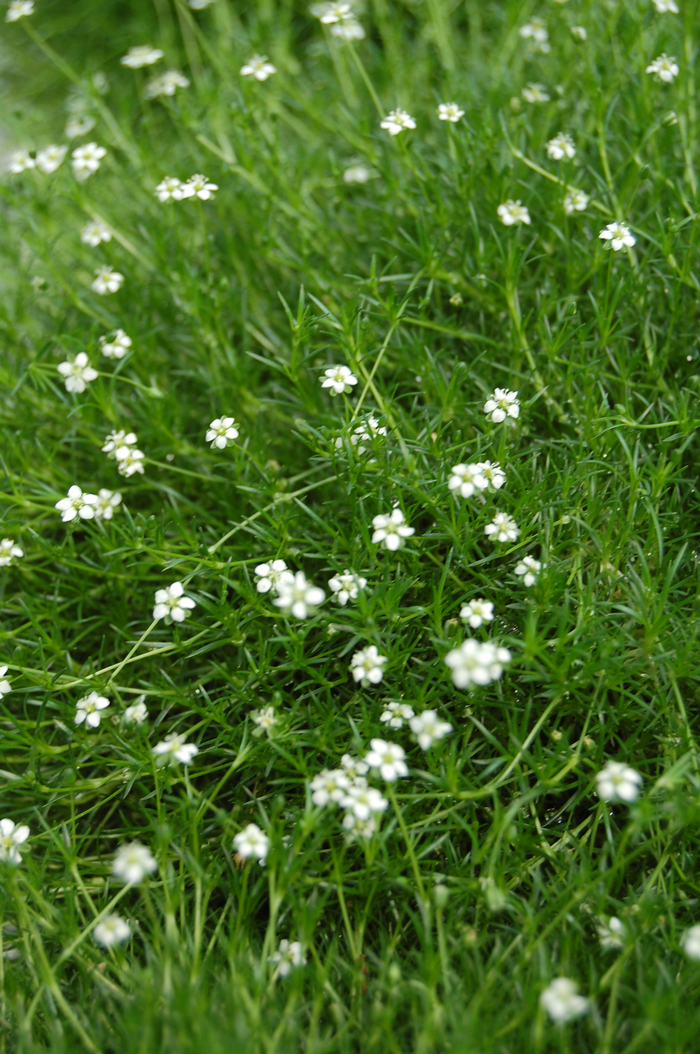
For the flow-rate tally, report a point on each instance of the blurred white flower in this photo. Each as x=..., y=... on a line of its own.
x=503, y=403
x=690, y=941
x=198, y=186
x=78, y=373
x=575, y=201
x=9, y=552
x=12, y=836
x=391, y=530
x=502, y=528
x=618, y=782
x=536, y=30
x=86, y=160
x=199, y=5
x=129, y=461
x=133, y=862
x=396, y=121
x=476, y=612
x=88, y=709
x=340, y=380
x=136, y=714
x=357, y=828
x=662, y=6
x=529, y=568
x=346, y=586
x=166, y=84
x=493, y=474
x=172, y=603
x=664, y=67
x=354, y=768
x=363, y=802
x=20, y=161
x=77, y=504
x=511, y=212
x=579, y=33
x=251, y=841
x=366, y=431
x=298, y=596
x=388, y=759
x=476, y=663
x=618, y=235
x=51, y=158
x=176, y=748
x=112, y=930
x=220, y=431
x=466, y=480
x=94, y=233
x=4, y=683
x=79, y=125
x=396, y=714
x=19, y=9
x=429, y=729
x=106, y=281
x=107, y=502
x=287, y=955
x=357, y=174
x=268, y=576
x=329, y=787
x=264, y=718
x=366, y=665
x=169, y=187
x=117, y=347
x=450, y=111
x=535, y=93
x=562, y=1002
x=611, y=934
x=561, y=146
x=142, y=55
x=259, y=67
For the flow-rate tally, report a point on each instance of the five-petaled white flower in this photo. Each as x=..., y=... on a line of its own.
x=172, y=603
x=166, y=84
x=662, y=6
x=561, y=146
x=477, y=611
x=4, y=683
x=346, y=586
x=450, y=111
x=176, y=748
x=529, y=568
x=19, y=9
x=618, y=235
x=357, y=174
x=391, y=530
x=20, y=161
x=366, y=665
x=363, y=801
x=107, y=502
x=170, y=187
x=562, y=1001
x=466, y=480
x=340, y=380
x=94, y=233
x=503, y=403
x=536, y=30
x=664, y=67
x=396, y=713
x=220, y=431
x=511, y=212
x=476, y=663
x=618, y=782
x=251, y=841
x=611, y=934
x=264, y=718
x=133, y=862
x=258, y=67
x=268, y=576
x=9, y=552
x=690, y=941
x=428, y=728
x=198, y=186
x=117, y=347
x=112, y=930
x=77, y=504
x=535, y=93
x=502, y=528
x=388, y=759
x=107, y=280
x=50, y=158
x=142, y=55
x=329, y=787
x=297, y=595
x=129, y=460
x=575, y=201
x=88, y=709
x=396, y=121
x=287, y=956
x=77, y=373
x=12, y=836
x=493, y=474
x=86, y=160
x=136, y=714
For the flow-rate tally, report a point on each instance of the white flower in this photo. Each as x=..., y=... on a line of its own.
x=357, y=828
x=366, y=665
x=450, y=111
x=107, y=281
x=476, y=663
x=9, y=551
x=136, y=714
x=220, y=431
x=536, y=30
x=529, y=568
x=199, y=5
x=129, y=460
x=388, y=759
x=690, y=941
x=512, y=212
x=476, y=612
x=259, y=67
x=346, y=586
x=503, y=403
x=199, y=187
x=298, y=596
x=428, y=728
x=396, y=121
x=357, y=174
x=347, y=29
x=535, y=93
x=340, y=379
x=329, y=786
x=391, y=530
x=270, y=575
x=142, y=55
x=579, y=33
x=133, y=862
x=172, y=603
x=662, y=6
x=618, y=782
x=251, y=841
x=20, y=161
x=169, y=187
x=175, y=748
x=51, y=158
x=664, y=67
x=611, y=934
x=493, y=474
x=264, y=718
x=353, y=768
x=362, y=802
x=619, y=235
x=562, y=1002
x=560, y=147
x=88, y=709
x=4, y=683
x=107, y=501
x=112, y=930
x=18, y=9
x=288, y=955
x=575, y=201
x=396, y=713
x=467, y=480
x=79, y=125
x=95, y=232
x=166, y=84
x=502, y=528
x=365, y=432
x=333, y=12
x=12, y=837
x=77, y=504
x=86, y=160
x=77, y=373
x=117, y=347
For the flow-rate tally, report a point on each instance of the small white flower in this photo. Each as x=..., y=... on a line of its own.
x=133, y=862
x=287, y=957
x=357, y=174
x=346, y=586
x=493, y=474
x=117, y=347
x=259, y=67
x=511, y=212
x=329, y=787
x=77, y=504
x=166, y=84
x=618, y=235
x=169, y=187
x=579, y=33
x=561, y=146
x=396, y=121
x=429, y=729
x=396, y=713
x=19, y=9
x=264, y=718
x=172, y=603
x=142, y=55
x=529, y=568
x=476, y=663
x=94, y=233
x=251, y=841
x=86, y=160
x=536, y=30
x=4, y=683
x=176, y=748
x=662, y=6
x=129, y=461
x=362, y=802
x=220, y=431
x=618, y=782
x=391, y=530
x=199, y=187
x=502, y=528
x=51, y=158
x=268, y=576
x=366, y=432
x=366, y=665
x=575, y=201
x=9, y=552
x=333, y=12
x=298, y=596
x=466, y=480
x=503, y=403
x=535, y=93
x=611, y=934
x=20, y=161
x=476, y=612
x=199, y=5
x=388, y=759
x=79, y=125
x=354, y=768
x=88, y=709
x=78, y=373
x=357, y=828
x=136, y=714
x=107, y=502
x=690, y=941
x=450, y=111
x=348, y=29
x=12, y=836
x=664, y=67
x=562, y=1002
x=112, y=930
x=107, y=281
x=340, y=380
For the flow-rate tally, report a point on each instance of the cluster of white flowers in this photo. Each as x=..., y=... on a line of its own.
x=166, y=84
x=340, y=18
x=121, y=447
x=467, y=480
x=81, y=506
x=348, y=786
x=366, y=432
x=197, y=186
